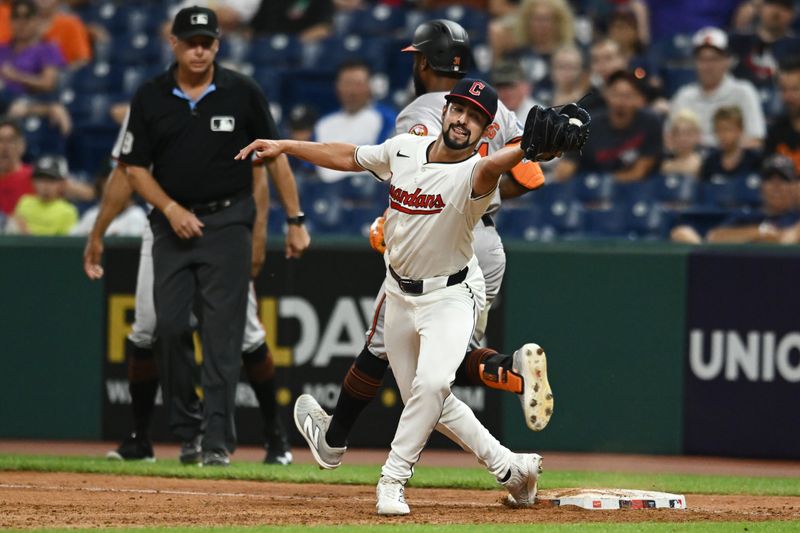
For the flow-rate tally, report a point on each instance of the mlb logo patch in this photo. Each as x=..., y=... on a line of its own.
x=223, y=123
x=199, y=19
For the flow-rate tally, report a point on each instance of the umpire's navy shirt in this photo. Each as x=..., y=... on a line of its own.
x=191, y=145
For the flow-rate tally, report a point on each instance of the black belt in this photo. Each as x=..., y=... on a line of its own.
x=415, y=286
x=217, y=205
x=487, y=220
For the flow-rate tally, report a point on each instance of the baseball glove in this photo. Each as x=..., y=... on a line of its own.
x=553, y=130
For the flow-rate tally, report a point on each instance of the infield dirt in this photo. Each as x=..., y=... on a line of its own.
x=37, y=500
x=34, y=500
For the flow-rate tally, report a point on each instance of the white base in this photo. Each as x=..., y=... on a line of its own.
x=609, y=499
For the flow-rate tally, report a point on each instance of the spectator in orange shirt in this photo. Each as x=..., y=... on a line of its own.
x=5, y=21
x=67, y=31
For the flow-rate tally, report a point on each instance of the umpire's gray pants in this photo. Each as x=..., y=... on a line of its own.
x=215, y=268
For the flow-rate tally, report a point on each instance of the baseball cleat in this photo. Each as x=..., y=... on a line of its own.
x=133, y=448
x=391, y=497
x=523, y=480
x=312, y=422
x=530, y=362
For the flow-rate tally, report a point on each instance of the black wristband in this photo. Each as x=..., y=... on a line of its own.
x=298, y=220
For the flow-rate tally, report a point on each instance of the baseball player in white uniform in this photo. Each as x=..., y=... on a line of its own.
x=142, y=371
x=435, y=291
x=441, y=49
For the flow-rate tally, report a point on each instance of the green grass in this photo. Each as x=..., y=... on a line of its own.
x=467, y=478
x=715, y=527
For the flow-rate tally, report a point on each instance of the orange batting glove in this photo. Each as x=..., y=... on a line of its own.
x=376, y=235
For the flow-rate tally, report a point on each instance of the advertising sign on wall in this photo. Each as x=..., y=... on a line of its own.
x=743, y=355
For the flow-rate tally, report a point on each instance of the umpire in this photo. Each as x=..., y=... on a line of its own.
x=187, y=124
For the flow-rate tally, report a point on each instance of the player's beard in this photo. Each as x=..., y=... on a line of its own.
x=419, y=87
x=454, y=145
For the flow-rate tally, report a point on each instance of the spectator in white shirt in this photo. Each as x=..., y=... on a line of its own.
x=716, y=88
x=359, y=121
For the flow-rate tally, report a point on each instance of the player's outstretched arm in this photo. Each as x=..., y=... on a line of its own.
x=116, y=194
x=489, y=169
x=335, y=156
x=297, y=238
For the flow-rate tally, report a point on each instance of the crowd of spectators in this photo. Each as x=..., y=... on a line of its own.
x=694, y=104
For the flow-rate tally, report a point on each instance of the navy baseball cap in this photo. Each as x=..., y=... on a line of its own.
x=478, y=93
x=191, y=21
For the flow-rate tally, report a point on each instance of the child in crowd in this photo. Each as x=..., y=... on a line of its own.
x=684, y=138
x=45, y=212
x=730, y=159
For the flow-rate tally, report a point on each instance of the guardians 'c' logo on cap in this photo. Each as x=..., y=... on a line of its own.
x=419, y=129
x=476, y=88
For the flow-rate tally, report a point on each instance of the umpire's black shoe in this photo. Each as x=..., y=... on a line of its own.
x=191, y=451
x=216, y=458
x=133, y=448
x=278, y=451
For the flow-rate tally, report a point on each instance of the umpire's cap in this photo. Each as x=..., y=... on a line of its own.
x=191, y=21
x=478, y=93
x=445, y=44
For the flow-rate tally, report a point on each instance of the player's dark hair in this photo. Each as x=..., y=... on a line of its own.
x=12, y=123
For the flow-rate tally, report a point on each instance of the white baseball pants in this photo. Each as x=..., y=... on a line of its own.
x=426, y=337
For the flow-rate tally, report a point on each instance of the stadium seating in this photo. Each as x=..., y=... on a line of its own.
x=42, y=138
x=606, y=222
x=594, y=188
x=379, y=20
x=747, y=190
x=564, y=217
x=521, y=223
x=645, y=219
x=140, y=49
x=638, y=191
x=674, y=190
x=279, y=50
x=304, y=86
x=271, y=81
x=719, y=194
x=328, y=54
x=234, y=48
x=356, y=220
